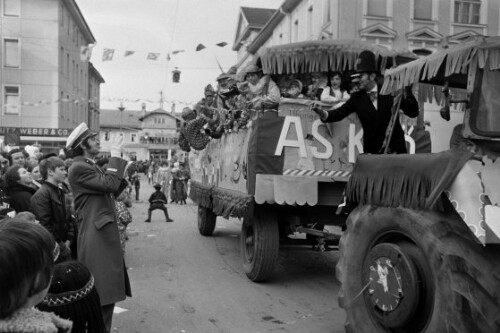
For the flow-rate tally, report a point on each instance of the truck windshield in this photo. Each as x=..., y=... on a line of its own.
x=486, y=121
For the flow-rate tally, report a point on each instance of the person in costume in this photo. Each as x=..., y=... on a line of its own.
x=373, y=109
x=158, y=200
x=94, y=191
x=265, y=94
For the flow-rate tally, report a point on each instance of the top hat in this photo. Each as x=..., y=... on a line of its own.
x=79, y=134
x=366, y=62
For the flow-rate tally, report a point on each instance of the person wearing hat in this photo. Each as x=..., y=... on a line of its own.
x=157, y=200
x=374, y=110
x=98, y=239
x=266, y=93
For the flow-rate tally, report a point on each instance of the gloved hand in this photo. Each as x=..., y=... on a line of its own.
x=116, y=144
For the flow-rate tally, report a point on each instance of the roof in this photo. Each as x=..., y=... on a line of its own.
x=325, y=55
x=450, y=64
x=159, y=111
x=257, y=16
x=267, y=30
x=110, y=118
x=80, y=20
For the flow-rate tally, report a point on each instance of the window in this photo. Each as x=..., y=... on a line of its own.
x=133, y=137
x=377, y=8
x=106, y=136
x=467, y=11
x=11, y=99
x=12, y=8
x=67, y=65
x=11, y=51
x=422, y=9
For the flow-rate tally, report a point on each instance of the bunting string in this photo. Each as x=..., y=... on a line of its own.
x=110, y=54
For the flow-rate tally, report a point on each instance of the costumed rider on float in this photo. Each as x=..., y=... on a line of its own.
x=264, y=93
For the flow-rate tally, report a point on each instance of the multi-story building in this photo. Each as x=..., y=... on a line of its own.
x=420, y=26
x=147, y=135
x=47, y=89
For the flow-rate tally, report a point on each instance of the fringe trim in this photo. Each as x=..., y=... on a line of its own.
x=201, y=194
x=322, y=56
x=228, y=203
x=458, y=59
x=367, y=188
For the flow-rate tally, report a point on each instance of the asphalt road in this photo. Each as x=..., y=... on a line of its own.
x=184, y=282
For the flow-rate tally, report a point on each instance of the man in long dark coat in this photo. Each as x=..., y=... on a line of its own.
x=373, y=109
x=98, y=238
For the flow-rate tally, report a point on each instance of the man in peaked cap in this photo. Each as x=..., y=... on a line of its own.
x=374, y=110
x=98, y=239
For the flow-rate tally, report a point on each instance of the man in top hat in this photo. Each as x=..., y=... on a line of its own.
x=265, y=92
x=98, y=238
x=373, y=109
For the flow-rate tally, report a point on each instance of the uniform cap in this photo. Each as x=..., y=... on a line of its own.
x=79, y=134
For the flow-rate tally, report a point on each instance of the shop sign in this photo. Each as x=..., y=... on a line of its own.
x=30, y=131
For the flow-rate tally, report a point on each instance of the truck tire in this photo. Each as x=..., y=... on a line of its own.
x=206, y=221
x=260, y=245
x=412, y=271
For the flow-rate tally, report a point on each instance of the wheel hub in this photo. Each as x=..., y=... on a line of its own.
x=393, y=287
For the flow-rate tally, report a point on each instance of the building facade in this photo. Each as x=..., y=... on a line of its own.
x=46, y=85
x=148, y=135
x=420, y=26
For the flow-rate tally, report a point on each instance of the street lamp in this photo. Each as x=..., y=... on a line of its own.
x=121, y=108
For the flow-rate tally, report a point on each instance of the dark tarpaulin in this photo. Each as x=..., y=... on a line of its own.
x=266, y=131
x=412, y=181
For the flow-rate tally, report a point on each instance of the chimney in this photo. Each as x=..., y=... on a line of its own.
x=173, y=108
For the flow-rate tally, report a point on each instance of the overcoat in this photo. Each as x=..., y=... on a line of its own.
x=375, y=121
x=98, y=238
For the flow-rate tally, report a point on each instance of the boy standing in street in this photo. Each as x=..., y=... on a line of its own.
x=157, y=200
x=49, y=206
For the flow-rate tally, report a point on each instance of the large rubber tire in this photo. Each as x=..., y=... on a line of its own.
x=206, y=221
x=458, y=279
x=260, y=245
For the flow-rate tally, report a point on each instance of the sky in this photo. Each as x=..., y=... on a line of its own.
x=162, y=26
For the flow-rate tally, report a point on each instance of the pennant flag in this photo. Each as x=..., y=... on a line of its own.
x=177, y=51
x=85, y=53
x=200, y=47
x=107, y=54
x=128, y=53
x=221, y=44
x=153, y=56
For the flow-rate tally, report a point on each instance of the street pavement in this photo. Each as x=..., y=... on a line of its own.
x=187, y=283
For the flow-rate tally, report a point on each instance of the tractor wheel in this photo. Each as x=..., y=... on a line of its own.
x=260, y=245
x=412, y=271
x=206, y=221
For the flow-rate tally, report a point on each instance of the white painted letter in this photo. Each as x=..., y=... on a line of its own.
x=354, y=142
x=298, y=143
x=315, y=133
